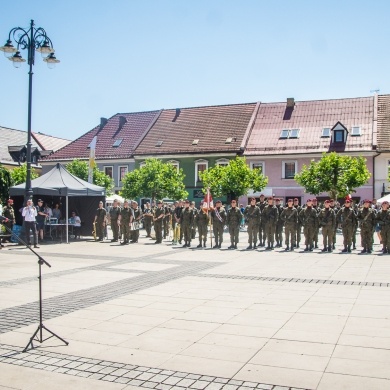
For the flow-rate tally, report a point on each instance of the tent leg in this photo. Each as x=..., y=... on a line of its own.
x=67, y=221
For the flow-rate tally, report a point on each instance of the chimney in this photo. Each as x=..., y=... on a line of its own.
x=122, y=121
x=176, y=114
x=290, y=102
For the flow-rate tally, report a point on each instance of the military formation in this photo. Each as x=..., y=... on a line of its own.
x=268, y=223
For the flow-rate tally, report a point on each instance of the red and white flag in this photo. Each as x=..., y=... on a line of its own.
x=208, y=203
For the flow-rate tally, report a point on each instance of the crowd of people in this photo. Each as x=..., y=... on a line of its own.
x=268, y=223
x=35, y=219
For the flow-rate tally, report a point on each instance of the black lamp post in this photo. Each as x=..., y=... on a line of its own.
x=31, y=39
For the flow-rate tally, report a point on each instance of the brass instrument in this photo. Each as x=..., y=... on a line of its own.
x=94, y=231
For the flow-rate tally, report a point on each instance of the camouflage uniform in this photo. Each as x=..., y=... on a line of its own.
x=347, y=217
x=289, y=216
x=136, y=217
x=336, y=210
x=218, y=216
x=383, y=219
x=270, y=216
x=327, y=221
x=367, y=219
x=114, y=215
x=233, y=220
x=252, y=216
x=262, y=236
x=308, y=218
x=317, y=226
x=8, y=212
x=159, y=214
x=279, y=227
x=125, y=222
x=299, y=226
x=148, y=220
x=101, y=215
x=186, y=222
x=202, y=220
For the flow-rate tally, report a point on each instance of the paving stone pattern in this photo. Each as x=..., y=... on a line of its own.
x=141, y=376
x=294, y=280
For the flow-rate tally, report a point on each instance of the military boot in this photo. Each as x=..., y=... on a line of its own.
x=325, y=249
x=311, y=248
x=200, y=245
x=364, y=250
x=330, y=248
x=345, y=250
x=306, y=249
x=249, y=247
x=204, y=244
x=287, y=248
x=349, y=249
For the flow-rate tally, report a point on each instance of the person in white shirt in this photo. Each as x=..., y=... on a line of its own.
x=29, y=213
x=76, y=222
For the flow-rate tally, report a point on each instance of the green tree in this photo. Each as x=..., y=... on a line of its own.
x=234, y=179
x=336, y=174
x=80, y=169
x=19, y=174
x=5, y=183
x=155, y=180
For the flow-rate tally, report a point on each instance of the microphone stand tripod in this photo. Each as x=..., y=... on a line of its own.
x=37, y=336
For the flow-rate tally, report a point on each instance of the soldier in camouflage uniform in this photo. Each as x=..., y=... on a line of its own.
x=308, y=218
x=299, y=224
x=202, y=221
x=347, y=217
x=148, y=219
x=135, y=218
x=218, y=217
x=233, y=220
x=279, y=225
x=355, y=208
x=8, y=212
x=159, y=214
x=124, y=221
x=289, y=216
x=367, y=219
x=100, y=220
x=317, y=208
x=114, y=215
x=327, y=221
x=186, y=222
x=252, y=216
x=270, y=216
x=336, y=209
x=194, y=224
x=383, y=219
x=261, y=204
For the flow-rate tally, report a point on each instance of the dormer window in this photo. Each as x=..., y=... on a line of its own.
x=338, y=136
x=159, y=143
x=117, y=143
x=284, y=134
x=339, y=133
x=195, y=142
x=356, y=131
x=229, y=140
x=325, y=132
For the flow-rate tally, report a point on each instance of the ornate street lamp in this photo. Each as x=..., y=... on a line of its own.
x=31, y=39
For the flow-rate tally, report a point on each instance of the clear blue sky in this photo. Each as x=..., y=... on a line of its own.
x=128, y=56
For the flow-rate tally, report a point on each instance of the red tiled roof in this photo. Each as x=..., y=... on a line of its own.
x=130, y=133
x=48, y=142
x=211, y=125
x=311, y=117
x=383, y=137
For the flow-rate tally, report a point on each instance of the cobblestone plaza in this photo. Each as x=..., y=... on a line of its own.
x=166, y=317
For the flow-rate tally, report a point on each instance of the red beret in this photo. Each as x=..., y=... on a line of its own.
x=290, y=200
x=309, y=200
x=327, y=201
x=296, y=199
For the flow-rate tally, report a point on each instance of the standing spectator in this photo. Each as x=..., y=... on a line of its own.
x=40, y=218
x=56, y=212
x=76, y=222
x=29, y=214
x=159, y=214
x=8, y=212
x=100, y=220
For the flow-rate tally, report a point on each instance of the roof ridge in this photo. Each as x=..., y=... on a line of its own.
x=322, y=100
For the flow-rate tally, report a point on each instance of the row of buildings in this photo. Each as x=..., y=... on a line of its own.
x=277, y=137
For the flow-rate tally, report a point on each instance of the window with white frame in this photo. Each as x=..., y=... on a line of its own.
x=222, y=162
x=289, y=169
x=108, y=170
x=174, y=163
x=326, y=132
x=258, y=165
x=200, y=166
x=122, y=172
x=289, y=133
x=355, y=131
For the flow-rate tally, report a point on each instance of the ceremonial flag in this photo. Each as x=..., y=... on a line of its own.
x=92, y=147
x=208, y=203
